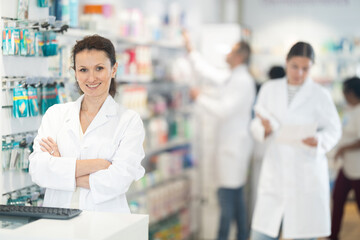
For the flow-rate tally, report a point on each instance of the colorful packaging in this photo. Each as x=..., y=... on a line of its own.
x=15, y=156
x=4, y=42
x=23, y=9
x=62, y=96
x=33, y=101
x=43, y=3
x=30, y=38
x=49, y=97
x=20, y=102
x=39, y=43
x=23, y=42
x=6, y=152
x=39, y=96
x=50, y=47
x=11, y=41
x=16, y=37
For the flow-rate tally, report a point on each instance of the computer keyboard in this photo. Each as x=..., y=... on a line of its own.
x=38, y=212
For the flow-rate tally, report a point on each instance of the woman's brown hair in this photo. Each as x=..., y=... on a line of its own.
x=301, y=49
x=99, y=43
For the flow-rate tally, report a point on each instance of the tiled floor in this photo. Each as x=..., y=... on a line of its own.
x=351, y=223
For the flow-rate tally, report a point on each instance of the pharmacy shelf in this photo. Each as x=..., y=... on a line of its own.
x=166, y=147
x=136, y=79
x=11, y=126
x=79, y=34
x=147, y=81
x=171, y=214
x=185, y=174
x=15, y=179
x=25, y=66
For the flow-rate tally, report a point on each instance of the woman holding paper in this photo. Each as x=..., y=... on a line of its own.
x=299, y=122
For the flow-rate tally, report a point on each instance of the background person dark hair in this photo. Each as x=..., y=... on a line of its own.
x=88, y=152
x=276, y=72
x=348, y=151
x=299, y=121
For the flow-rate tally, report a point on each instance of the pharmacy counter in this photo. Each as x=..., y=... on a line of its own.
x=88, y=225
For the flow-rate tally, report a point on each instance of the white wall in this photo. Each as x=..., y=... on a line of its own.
x=277, y=24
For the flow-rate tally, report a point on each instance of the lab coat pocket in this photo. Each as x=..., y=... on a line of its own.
x=309, y=152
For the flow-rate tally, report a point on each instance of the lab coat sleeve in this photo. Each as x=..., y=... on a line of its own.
x=125, y=168
x=329, y=127
x=48, y=171
x=232, y=99
x=256, y=127
x=206, y=71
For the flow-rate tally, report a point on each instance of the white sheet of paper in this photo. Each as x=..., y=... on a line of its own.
x=294, y=134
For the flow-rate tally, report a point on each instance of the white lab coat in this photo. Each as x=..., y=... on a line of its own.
x=116, y=134
x=232, y=108
x=294, y=182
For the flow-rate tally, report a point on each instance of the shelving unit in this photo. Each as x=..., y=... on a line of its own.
x=21, y=70
x=17, y=66
x=166, y=147
x=79, y=33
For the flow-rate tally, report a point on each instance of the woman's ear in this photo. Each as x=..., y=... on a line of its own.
x=114, y=70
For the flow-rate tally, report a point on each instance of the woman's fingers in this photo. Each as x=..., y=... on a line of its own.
x=50, y=146
x=44, y=143
x=51, y=141
x=43, y=149
x=311, y=141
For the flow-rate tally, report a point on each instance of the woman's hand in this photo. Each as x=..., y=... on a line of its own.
x=50, y=146
x=266, y=124
x=194, y=93
x=187, y=41
x=310, y=141
x=340, y=153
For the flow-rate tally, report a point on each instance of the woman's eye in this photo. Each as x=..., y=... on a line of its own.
x=99, y=68
x=83, y=70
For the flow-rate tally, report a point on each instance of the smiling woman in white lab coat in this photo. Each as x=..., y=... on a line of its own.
x=88, y=152
x=293, y=191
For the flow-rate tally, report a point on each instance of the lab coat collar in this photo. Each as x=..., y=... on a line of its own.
x=72, y=120
x=107, y=110
x=240, y=67
x=302, y=95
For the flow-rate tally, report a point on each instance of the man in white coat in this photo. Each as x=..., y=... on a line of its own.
x=234, y=146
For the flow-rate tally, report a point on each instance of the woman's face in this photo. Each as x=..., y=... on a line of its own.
x=351, y=98
x=298, y=69
x=93, y=72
